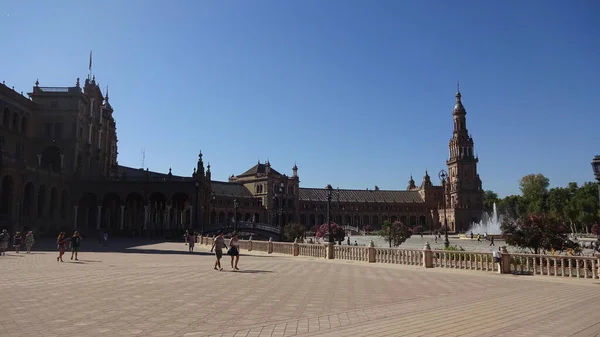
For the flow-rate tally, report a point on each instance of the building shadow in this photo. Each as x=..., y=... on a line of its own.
x=250, y=271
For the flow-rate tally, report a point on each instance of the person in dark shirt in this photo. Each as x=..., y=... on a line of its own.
x=17, y=241
x=75, y=242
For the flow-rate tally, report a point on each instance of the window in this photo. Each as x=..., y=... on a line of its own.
x=6, y=118
x=48, y=130
x=15, y=123
x=57, y=131
x=24, y=125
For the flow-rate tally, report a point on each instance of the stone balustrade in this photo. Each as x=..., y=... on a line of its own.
x=530, y=264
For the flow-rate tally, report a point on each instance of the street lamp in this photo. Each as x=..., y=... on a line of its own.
x=596, y=167
x=235, y=210
x=329, y=190
x=443, y=175
x=213, y=201
x=196, y=207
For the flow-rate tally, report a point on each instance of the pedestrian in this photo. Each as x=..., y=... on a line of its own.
x=75, y=242
x=185, y=236
x=29, y=240
x=234, y=250
x=471, y=235
x=191, y=240
x=61, y=244
x=492, y=241
x=218, y=246
x=4, y=238
x=17, y=241
x=497, y=255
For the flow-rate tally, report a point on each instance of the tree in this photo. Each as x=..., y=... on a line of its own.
x=513, y=206
x=395, y=233
x=292, y=231
x=338, y=232
x=536, y=233
x=534, y=188
x=489, y=199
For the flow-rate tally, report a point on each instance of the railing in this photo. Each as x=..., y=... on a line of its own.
x=312, y=250
x=354, y=253
x=549, y=265
x=585, y=267
x=399, y=256
x=283, y=248
x=463, y=260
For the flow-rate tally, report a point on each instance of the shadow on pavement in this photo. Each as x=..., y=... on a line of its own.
x=251, y=271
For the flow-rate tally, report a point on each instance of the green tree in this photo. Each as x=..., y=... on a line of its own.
x=395, y=233
x=292, y=231
x=513, y=206
x=536, y=233
x=489, y=199
x=534, y=188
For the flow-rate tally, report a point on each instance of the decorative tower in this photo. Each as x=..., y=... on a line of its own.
x=295, y=170
x=464, y=193
x=200, y=166
x=411, y=184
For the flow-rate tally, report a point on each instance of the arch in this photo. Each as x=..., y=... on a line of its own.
x=321, y=219
x=384, y=218
x=413, y=220
x=356, y=220
x=290, y=218
x=393, y=219
x=238, y=216
x=54, y=203
x=247, y=217
x=403, y=219
x=88, y=210
x=229, y=217
x=256, y=217
x=375, y=220
x=366, y=220
x=303, y=219
x=422, y=220
x=15, y=123
x=347, y=220
x=338, y=219
x=6, y=196
x=24, y=125
x=64, y=204
x=111, y=211
x=28, y=199
x=41, y=202
x=180, y=202
x=213, y=216
x=157, y=210
x=312, y=220
x=221, y=217
x=51, y=159
x=134, y=211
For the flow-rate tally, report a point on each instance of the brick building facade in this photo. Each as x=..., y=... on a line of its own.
x=59, y=169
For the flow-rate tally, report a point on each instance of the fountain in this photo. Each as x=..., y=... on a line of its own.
x=490, y=223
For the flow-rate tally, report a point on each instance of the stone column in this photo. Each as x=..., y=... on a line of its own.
x=168, y=216
x=98, y=217
x=427, y=256
x=122, y=217
x=250, y=244
x=191, y=217
x=270, y=246
x=372, y=252
x=145, y=216
x=75, y=209
x=504, y=266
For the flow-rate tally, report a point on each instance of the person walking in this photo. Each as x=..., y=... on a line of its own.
x=218, y=246
x=61, y=244
x=492, y=241
x=29, y=240
x=234, y=250
x=75, y=243
x=4, y=238
x=17, y=241
x=191, y=240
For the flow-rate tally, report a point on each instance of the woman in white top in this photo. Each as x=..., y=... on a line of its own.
x=234, y=250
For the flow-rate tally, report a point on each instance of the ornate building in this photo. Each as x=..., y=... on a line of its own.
x=60, y=171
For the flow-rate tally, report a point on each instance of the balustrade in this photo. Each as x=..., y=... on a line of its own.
x=547, y=265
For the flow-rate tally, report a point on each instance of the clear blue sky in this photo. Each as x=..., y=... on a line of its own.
x=358, y=93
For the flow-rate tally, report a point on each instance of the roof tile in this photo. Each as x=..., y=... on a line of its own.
x=320, y=194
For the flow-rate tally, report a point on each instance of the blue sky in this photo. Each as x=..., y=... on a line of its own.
x=358, y=93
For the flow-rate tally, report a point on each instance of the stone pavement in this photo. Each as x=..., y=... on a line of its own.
x=161, y=290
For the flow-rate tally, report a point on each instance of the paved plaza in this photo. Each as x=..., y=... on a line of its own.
x=159, y=289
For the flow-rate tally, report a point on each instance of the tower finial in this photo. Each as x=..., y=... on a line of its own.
x=457, y=86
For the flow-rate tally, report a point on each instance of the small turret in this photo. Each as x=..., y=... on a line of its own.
x=200, y=167
x=426, y=180
x=295, y=170
x=411, y=183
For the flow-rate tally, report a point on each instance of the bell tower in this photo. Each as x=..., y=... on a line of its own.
x=465, y=193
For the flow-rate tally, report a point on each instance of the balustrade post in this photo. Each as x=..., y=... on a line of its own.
x=427, y=256
x=296, y=248
x=372, y=252
x=270, y=246
x=330, y=250
x=504, y=265
x=250, y=244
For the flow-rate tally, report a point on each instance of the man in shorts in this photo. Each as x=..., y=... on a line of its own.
x=218, y=246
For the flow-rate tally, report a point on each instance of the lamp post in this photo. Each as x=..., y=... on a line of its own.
x=196, y=207
x=235, y=218
x=443, y=175
x=213, y=201
x=329, y=191
x=596, y=167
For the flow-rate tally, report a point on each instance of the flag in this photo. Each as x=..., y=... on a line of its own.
x=90, y=67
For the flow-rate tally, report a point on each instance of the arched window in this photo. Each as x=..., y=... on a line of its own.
x=6, y=118
x=15, y=123
x=51, y=159
x=24, y=125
